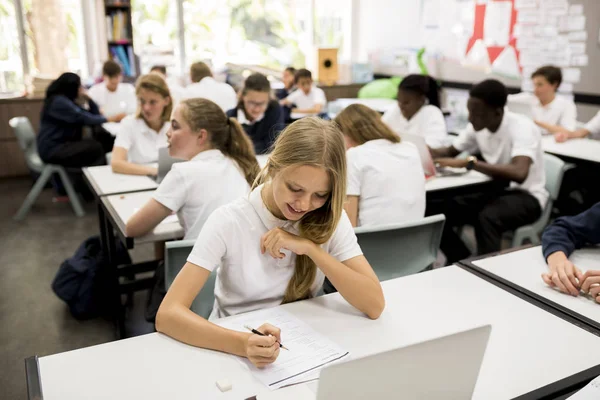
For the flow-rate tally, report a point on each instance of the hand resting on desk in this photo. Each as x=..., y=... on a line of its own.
x=569, y=279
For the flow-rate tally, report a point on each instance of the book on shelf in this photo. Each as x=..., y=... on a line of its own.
x=117, y=27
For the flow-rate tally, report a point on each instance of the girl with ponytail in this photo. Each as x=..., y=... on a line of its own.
x=275, y=246
x=418, y=111
x=221, y=167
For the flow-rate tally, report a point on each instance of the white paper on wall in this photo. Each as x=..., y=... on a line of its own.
x=576, y=9
x=496, y=25
x=579, y=61
x=506, y=64
x=528, y=17
x=571, y=75
x=521, y=4
x=478, y=55
x=577, y=48
x=565, y=87
x=576, y=23
x=577, y=36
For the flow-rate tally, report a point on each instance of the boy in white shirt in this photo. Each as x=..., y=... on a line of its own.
x=175, y=88
x=206, y=87
x=112, y=96
x=307, y=99
x=510, y=146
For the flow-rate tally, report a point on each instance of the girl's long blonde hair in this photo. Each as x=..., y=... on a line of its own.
x=315, y=142
x=361, y=124
x=156, y=84
x=226, y=134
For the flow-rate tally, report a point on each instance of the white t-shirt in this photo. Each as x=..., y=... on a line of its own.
x=560, y=111
x=593, y=126
x=196, y=188
x=140, y=141
x=428, y=123
x=122, y=100
x=246, y=279
x=308, y=101
x=218, y=92
x=516, y=136
x=390, y=181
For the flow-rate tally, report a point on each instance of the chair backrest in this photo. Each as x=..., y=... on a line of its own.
x=402, y=249
x=555, y=169
x=176, y=254
x=27, y=141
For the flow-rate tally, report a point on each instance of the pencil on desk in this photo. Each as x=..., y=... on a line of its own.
x=262, y=334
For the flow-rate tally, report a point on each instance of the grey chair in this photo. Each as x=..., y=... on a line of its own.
x=555, y=170
x=402, y=249
x=27, y=141
x=176, y=254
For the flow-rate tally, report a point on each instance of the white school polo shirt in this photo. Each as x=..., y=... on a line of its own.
x=122, y=100
x=561, y=111
x=390, y=181
x=516, y=136
x=307, y=101
x=220, y=93
x=593, y=126
x=246, y=279
x=428, y=123
x=140, y=141
x=196, y=188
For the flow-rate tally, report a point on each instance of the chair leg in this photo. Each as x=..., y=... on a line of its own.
x=33, y=194
x=73, y=196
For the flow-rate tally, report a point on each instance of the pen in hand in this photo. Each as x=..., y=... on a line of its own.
x=262, y=334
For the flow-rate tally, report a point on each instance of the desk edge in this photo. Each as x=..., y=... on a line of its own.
x=33, y=378
x=564, y=386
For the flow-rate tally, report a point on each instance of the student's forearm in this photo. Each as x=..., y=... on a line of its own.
x=314, y=110
x=440, y=152
x=126, y=167
x=184, y=325
x=502, y=171
x=361, y=291
x=551, y=128
x=578, y=134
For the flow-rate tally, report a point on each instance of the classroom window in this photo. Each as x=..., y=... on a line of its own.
x=333, y=25
x=155, y=34
x=11, y=66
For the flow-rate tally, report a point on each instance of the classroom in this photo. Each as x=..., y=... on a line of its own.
x=300, y=199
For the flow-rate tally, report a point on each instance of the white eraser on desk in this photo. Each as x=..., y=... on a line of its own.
x=224, y=385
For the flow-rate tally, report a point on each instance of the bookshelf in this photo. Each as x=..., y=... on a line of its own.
x=119, y=35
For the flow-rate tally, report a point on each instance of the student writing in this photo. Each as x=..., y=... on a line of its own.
x=559, y=240
x=418, y=110
x=221, y=167
x=260, y=116
x=141, y=135
x=386, y=182
x=276, y=246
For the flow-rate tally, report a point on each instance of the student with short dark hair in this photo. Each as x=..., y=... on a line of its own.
x=418, y=110
x=307, y=99
x=204, y=86
x=288, y=83
x=559, y=240
x=260, y=116
x=160, y=69
x=175, y=87
x=510, y=148
x=112, y=95
x=552, y=113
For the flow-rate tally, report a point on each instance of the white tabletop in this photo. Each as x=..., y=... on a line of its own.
x=106, y=182
x=528, y=347
x=582, y=149
x=451, y=182
x=123, y=206
x=524, y=269
x=112, y=127
x=380, y=105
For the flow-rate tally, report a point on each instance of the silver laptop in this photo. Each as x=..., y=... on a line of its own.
x=443, y=368
x=429, y=167
x=165, y=162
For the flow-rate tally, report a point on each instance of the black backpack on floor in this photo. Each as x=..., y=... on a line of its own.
x=82, y=281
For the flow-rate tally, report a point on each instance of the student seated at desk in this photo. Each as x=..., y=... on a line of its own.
x=418, y=110
x=67, y=110
x=510, y=146
x=559, y=240
x=307, y=99
x=204, y=86
x=288, y=83
x=141, y=135
x=175, y=88
x=221, y=168
x=113, y=96
x=552, y=113
x=386, y=182
x=260, y=116
x=275, y=246
x=591, y=130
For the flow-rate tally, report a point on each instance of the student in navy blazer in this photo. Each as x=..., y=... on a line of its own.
x=260, y=116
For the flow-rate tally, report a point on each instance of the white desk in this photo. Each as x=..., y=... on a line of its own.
x=528, y=348
x=379, y=105
x=105, y=182
x=580, y=149
x=452, y=182
x=112, y=127
x=523, y=268
x=121, y=207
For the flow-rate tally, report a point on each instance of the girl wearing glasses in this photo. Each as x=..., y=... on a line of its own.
x=260, y=115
